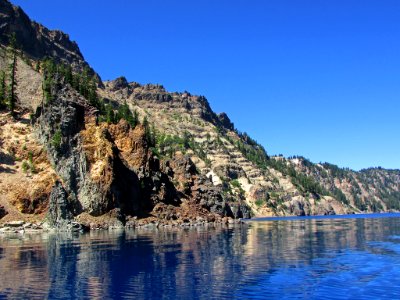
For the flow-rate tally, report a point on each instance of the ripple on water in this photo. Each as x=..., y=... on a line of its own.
x=347, y=275
x=296, y=259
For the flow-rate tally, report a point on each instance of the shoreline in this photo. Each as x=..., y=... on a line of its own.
x=341, y=216
x=26, y=227
x=22, y=227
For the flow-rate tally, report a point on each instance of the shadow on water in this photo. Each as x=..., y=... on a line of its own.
x=263, y=259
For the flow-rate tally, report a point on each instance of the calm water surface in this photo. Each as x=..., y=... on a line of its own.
x=298, y=258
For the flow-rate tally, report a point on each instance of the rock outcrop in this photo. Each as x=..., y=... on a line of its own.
x=104, y=167
x=35, y=40
x=60, y=212
x=225, y=121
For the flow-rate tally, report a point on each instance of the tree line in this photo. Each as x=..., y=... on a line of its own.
x=8, y=83
x=86, y=85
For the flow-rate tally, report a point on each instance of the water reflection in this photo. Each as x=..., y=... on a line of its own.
x=299, y=258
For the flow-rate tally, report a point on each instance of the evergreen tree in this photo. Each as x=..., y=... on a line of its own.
x=136, y=117
x=147, y=131
x=153, y=139
x=12, y=97
x=101, y=107
x=84, y=83
x=49, y=72
x=92, y=93
x=125, y=113
x=110, y=117
x=68, y=75
x=2, y=89
x=145, y=123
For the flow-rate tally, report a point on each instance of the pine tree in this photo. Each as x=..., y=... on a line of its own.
x=145, y=123
x=12, y=97
x=68, y=75
x=110, y=117
x=2, y=89
x=49, y=70
x=125, y=113
x=84, y=83
x=92, y=93
x=147, y=131
x=153, y=136
x=136, y=117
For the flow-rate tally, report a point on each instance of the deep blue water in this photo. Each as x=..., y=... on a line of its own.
x=351, y=257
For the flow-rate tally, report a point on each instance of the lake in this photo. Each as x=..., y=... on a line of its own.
x=348, y=257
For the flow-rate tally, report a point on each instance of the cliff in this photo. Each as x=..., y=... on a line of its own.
x=79, y=152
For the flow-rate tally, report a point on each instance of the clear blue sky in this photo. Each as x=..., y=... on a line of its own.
x=314, y=78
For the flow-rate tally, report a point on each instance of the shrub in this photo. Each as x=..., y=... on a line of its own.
x=56, y=140
x=25, y=166
x=259, y=202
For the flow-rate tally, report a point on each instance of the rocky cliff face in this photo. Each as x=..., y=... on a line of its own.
x=120, y=153
x=35, y=40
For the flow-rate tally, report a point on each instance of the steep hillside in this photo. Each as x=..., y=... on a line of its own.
x=35, y=40
x=269, y=185
x=76, y=150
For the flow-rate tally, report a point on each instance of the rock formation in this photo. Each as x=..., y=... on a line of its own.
x=115, y=153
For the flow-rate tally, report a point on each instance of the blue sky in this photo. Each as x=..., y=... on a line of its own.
x=314, y=78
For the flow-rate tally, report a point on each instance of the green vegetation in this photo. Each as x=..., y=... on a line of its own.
x=167, y=145
x=376, y=206
x=109, y=115
x=391, y=199
x=259, y=202
x=86, y=85
x=25, y=166
x=55, y=73
x=304, y=183
x=252, y=150
x=256, y=153
x=29, y=165
x=359, y=203
x=236, y=185
x=113, y=116
x=335, y=170
x=2, y=89
x=57, y=139
x=338, y=194
x=125, y=113
x=8, y=96
x=149, y=132
x=49, y=80
x=307, y=183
